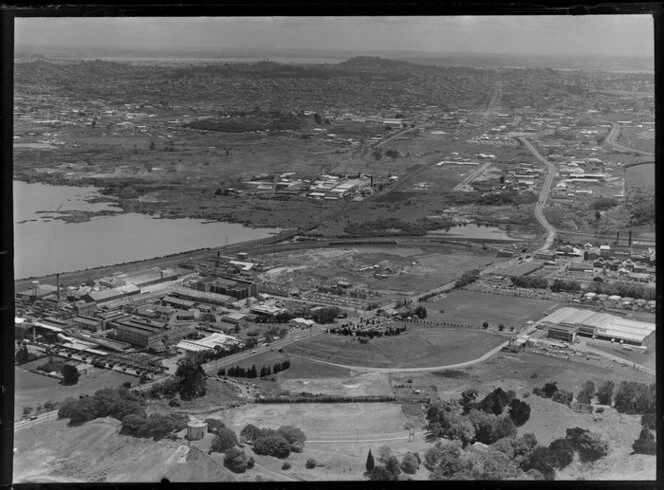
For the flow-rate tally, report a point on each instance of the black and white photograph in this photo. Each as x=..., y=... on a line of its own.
x=326, y=248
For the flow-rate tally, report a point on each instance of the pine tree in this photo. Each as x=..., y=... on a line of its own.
x=268, y=371
x=371, y=463
x=263, y=372
x=253, y=373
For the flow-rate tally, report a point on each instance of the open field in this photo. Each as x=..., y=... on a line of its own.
x=417, y=347
x=95, y=452
x=640, y=176
x=34, y=389
x=474, y=308
x=320, y=420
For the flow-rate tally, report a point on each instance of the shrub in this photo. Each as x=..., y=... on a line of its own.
x=286, y=466
x=542, y=460
x=251, y=462
x=599, y=410
x=224, y=440
x=273, y=445
x=549, y=389
x=410, y=464
x=235, y=460
x=311, y=463
x=174, y=403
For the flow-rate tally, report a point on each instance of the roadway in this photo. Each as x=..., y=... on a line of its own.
x=544, y=195
x=366, y=369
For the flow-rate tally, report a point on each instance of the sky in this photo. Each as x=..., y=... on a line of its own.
x=620, y=35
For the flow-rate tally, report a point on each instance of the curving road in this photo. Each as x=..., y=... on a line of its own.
x=544, y=195
x=611, y=140
x=366, y=369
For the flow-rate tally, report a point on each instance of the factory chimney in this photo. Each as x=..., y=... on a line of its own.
x=371, y=181
x=57, y=284
x=161, y=273
x=618, y=237
x=630, y=238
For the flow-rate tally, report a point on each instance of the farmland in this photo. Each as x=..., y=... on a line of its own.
x=417, y=347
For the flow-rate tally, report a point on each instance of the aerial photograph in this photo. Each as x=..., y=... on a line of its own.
x=287, y=249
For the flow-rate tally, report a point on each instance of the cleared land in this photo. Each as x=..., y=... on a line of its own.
x=474, y=308
x=416, y=269
x=35, y=389
x=417, y=347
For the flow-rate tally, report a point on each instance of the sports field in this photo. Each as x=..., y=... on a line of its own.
x=474, y=308
x=417, y=347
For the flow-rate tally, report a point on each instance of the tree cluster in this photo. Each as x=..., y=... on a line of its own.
x=326, y=314
x=279, y=443
x=565, y=285
x=23, y=355
x=318, y=398
x=156, y=425
x=252, y=372
x=237, y=461
x=224, y=439
x=108, y=402
x=467, y=278
x=625, y=289
x=469, y=421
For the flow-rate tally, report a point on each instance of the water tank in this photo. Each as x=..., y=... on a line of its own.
x=196, y=429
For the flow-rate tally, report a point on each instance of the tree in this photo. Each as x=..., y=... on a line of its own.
x=192, y=378
x=542, y=460
x=310, y=464
x=605, y=392
x=371, y=463
x=519, y=412
x=468, y=398
x=214, y=425
x=250, y=433
x=409, y=464
x=501, y=327
x=318, y=119
x=70, y=375
x=420, y=312
x=224, y=440
x=22, y=355
x=591, y=446
x=585, y=396
x=294, y=436
x=562, y=452
x=485, y=325
x=392, y=466
x=272, y=445
x=134, y=425
x=645, y=444
x=495, y=401
x=549, y=389
x=380, y=473
x=152, y=145
x=384, y=453
x=563, y=396
x=236, y=460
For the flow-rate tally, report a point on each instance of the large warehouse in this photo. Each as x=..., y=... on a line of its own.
x=565, y=323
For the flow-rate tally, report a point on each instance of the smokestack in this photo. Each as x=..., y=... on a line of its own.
x=371, y=181
x=57, y=285
x=617, y=237
x=630, y=238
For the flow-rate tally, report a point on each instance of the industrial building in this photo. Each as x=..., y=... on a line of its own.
x=236, y=288
x=565, y=323
x=207, y=343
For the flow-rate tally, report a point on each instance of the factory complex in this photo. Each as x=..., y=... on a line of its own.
x=566, y=323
